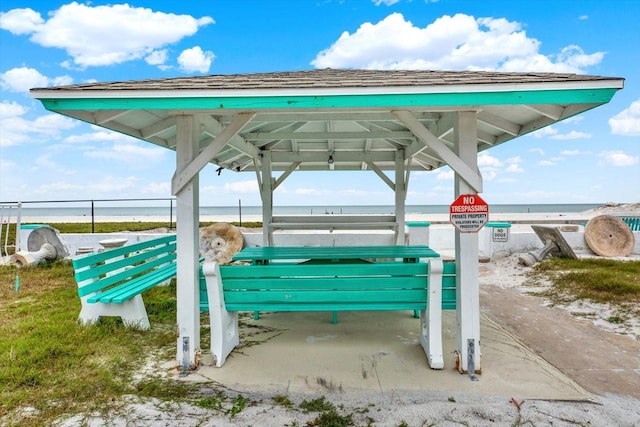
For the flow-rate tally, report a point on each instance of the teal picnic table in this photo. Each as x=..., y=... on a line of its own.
x=334, y=254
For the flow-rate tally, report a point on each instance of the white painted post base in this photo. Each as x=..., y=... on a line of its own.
x=431, y=319
x=132, y=312
x=224, y=325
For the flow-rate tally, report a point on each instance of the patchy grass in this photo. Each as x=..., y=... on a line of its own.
x=599, y=280
x=50, y=365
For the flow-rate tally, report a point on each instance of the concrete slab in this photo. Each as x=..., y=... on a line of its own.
x=377, y=352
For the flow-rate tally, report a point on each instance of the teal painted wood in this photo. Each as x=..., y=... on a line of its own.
x=515, y=97
x=449, y=295
x=336, y=284
x=131, y=288
x=284, y=307
x=332, y=287
x=328, y=296
x=337, y=253
x=117, y=262
x=92, y=259
x=127, y=273
x=308, y=270
x=119, y=274
x=632, y=222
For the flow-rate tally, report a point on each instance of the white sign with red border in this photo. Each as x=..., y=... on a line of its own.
x=469, y=213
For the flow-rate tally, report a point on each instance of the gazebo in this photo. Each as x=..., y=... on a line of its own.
x=358, y=120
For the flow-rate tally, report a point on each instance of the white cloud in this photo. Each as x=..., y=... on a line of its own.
x=627, y=122
x=157, y=57
x=619, y=158
x=195, y=60
x=487, y=160
x=546, y=163
x=103, y=35
x=21, y=21
x=545, y=131
x=571, y=135
x=22, y=79
x=514, y=168
x=537, y=150
x=553, y=133
x=17, y=130
x=450, y=43
x=445, y=175
x=242, y=186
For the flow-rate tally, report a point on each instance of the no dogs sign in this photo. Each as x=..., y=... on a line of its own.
x=469, y=213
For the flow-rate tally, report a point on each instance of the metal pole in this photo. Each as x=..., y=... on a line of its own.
x=240, y=211
x=170, y=214
x=93, y=220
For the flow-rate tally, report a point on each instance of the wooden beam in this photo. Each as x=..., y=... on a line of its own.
x=472, y=177
x=181, y=178
x=381, y=174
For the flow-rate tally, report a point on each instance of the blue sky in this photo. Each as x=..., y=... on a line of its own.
x=592, y=158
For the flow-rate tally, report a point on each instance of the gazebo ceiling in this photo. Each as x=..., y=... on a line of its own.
x=359, y=118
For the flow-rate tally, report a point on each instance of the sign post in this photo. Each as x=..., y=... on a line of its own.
x=469, y=213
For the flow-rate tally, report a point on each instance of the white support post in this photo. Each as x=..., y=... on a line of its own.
x=187, y=212
x=401, y=195
x=266, y=193
x=467, y=285
x=431, y=318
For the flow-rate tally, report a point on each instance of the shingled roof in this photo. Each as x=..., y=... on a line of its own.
x=332, y=78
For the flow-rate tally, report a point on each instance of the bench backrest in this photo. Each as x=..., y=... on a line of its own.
x=308, y=287
x=96, y=272
x=632, y=222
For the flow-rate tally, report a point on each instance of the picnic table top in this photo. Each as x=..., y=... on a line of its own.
x=264, y=253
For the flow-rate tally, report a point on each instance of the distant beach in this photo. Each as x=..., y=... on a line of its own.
x=433, y=213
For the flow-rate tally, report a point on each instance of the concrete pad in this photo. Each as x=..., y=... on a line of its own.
x=377, y=352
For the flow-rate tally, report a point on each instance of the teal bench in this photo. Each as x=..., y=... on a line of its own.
x=424, y=286
x=110, y=283
x=632, y=222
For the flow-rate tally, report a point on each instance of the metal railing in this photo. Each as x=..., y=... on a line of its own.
x=7, y=211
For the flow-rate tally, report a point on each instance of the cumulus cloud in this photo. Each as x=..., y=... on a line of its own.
x=553, y=133
x=17, y=130
x=449, y=43
x=157, y=57
x=195, y=60
x=619, y=158
x=22, y=79
x=103, y=35
x=627, y=122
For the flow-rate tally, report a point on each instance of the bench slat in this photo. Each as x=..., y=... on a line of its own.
x=92, y=259
x=86, y=289
x=284, y=270
x=129, y=289
x=98, y=269
x=334, y=306
x=327, y=284
x=293, y=297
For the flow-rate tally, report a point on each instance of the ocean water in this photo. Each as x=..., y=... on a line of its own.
x=141, y=211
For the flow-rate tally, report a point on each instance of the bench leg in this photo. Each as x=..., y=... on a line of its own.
x=132, y=312
x=224, y=324
x=431, y=319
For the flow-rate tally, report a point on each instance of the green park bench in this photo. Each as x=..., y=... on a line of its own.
x=110, y=283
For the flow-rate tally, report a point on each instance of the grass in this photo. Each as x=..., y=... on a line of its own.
x=598, y=280
x=51, y=364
